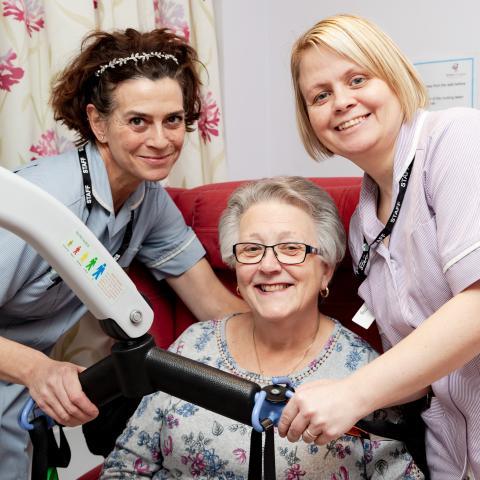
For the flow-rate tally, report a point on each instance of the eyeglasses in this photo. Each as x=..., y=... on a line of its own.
x=289, y=253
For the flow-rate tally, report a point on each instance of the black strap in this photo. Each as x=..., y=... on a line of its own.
x=38, y=436
x=387, y=230
x=269, y=454
x=255, y=461
x=46, y=452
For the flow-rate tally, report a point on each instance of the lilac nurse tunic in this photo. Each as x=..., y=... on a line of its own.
x=433, y=254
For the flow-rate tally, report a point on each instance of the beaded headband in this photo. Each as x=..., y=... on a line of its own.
x=135, y=57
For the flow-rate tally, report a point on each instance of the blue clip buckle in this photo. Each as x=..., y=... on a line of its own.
x=31, y=408
x=270, y=401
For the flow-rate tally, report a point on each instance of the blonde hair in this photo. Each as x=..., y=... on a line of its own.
x=364, y=43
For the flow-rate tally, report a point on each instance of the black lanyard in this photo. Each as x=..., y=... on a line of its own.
x=87, y=180
x=87, y=191
x=387, y=230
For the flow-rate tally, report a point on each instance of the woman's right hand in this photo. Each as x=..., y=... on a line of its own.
x=56, y=389
x=320, y=411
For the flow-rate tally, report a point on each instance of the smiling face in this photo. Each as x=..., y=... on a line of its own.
x=352, y=113
x=143, y=136
x=272, y=290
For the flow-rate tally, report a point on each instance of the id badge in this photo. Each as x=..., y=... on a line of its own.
x=363, y=317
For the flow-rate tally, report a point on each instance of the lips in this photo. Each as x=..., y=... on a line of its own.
x=157, y=159
x=351, y=123
x=272, y=287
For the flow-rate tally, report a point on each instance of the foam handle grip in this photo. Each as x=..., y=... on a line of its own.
x=99, y=383
x=205, y=386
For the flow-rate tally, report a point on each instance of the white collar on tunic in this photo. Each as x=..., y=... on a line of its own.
x=407, y=143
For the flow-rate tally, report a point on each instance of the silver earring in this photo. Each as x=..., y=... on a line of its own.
x=325, y=292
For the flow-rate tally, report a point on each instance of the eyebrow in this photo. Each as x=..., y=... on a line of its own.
x=136, y=113
x=346, y=74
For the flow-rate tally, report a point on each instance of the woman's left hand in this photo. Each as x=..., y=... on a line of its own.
x=320, y=411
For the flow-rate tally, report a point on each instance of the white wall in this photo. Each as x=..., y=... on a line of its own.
x=82, y=460
x=255, y=38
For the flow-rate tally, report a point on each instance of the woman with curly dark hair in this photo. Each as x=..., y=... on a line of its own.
x=130, y=97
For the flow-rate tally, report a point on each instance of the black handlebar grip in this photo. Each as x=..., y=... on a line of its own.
x=205, y=386
x=99, y=383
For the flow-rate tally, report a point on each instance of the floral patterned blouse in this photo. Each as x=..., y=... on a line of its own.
x=168, y=438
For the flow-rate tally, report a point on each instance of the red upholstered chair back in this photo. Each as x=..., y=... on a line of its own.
x=201, y=208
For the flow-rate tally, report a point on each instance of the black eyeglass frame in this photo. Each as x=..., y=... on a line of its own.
x=308, y=249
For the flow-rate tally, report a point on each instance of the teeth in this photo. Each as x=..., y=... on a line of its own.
x=351, y=123
x=273, y=288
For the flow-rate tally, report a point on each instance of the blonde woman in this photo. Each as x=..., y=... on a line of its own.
x=415, y=238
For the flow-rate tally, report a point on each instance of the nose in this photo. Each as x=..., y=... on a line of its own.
x=269, y=262
x=344, y=99
x=157, y=137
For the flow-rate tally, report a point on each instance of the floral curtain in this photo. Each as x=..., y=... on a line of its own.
x=37, y=37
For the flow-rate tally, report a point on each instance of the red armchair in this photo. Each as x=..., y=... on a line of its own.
x=201, y=208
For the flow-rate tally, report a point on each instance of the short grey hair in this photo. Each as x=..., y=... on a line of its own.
x=297, y=191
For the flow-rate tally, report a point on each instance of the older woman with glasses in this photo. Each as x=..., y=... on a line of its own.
x=283, y=237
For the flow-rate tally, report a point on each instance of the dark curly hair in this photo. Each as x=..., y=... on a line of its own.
x=77, y=85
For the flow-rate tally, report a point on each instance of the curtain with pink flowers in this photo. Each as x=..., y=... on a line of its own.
x=37, y=37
